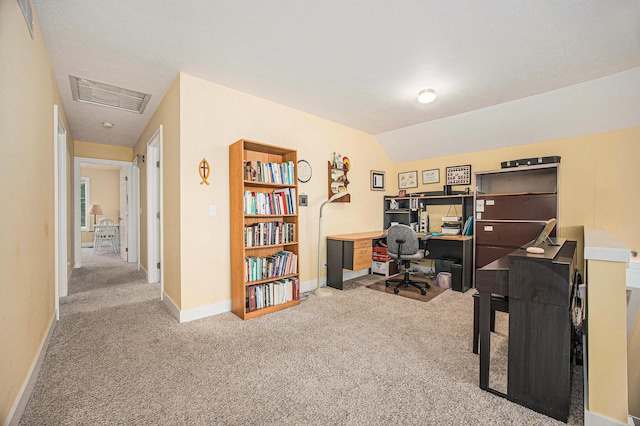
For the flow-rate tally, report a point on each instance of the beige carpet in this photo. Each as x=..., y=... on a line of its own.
x=359, y=357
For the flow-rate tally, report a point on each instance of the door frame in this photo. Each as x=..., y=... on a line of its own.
x=61, y=258
x=155, y=253
x=132, y=234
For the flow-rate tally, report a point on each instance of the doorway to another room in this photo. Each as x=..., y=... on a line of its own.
x=107, y=209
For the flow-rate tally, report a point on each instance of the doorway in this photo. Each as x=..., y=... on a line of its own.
x=125, y=206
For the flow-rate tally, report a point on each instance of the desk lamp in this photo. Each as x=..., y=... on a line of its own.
x=323, y=291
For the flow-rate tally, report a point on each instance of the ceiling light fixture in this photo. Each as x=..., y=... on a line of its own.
x=426, y=96
x=107, y=125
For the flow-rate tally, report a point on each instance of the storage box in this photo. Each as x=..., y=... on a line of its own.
x=384, y=268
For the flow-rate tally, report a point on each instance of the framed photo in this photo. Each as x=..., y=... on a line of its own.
x=408, y=180
x=459, y=175
x=402, y=193
x=377, y=180
x=430, y=176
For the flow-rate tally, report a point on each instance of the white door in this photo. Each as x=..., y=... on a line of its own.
x=123, y=219
x=154, y=210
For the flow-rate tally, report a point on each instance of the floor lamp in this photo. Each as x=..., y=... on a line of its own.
x=323, y=291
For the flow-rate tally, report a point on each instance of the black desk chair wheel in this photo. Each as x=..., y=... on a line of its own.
x=403, y=245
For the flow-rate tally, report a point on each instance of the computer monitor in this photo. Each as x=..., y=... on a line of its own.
x=543, y=235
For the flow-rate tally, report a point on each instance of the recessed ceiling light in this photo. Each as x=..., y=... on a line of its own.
x=97, y=93
x=426, y=96
x=107, y=125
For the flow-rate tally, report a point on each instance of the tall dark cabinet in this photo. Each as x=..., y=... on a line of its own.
x=510, y=207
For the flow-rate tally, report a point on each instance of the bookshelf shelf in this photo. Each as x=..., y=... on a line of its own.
x=262, y=178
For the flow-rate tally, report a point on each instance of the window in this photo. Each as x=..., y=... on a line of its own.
x=85, y=202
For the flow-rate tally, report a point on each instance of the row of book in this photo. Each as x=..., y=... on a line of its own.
x=276, y=265
x=280, y=201
x=267, y=233
x=281, y=173
x=273, y=293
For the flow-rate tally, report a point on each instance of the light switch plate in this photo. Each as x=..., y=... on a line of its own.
x=212, y=210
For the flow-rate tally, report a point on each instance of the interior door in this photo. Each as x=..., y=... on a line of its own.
x=124, y=209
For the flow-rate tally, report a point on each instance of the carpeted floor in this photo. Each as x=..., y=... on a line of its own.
x=358, y=357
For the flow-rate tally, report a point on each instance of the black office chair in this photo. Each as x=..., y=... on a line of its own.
x=403, y=245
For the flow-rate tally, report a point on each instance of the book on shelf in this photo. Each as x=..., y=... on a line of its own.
x=276, y=292
x=467, y=229
x=278, y=173
x=280, y=201
x=278, y=264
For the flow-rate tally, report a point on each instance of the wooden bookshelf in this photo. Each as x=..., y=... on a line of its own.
x=248, y=174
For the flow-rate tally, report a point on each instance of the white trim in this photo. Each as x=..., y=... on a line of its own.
x=60, y=207
x=600, y=245
x=155, y=198
x=132, y=233
x=134, y=214
x=346, y=275
x=17, y=410
x=595, y=419
x=199, y=312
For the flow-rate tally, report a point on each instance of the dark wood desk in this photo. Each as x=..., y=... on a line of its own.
x=539, y=291
x=353, y=252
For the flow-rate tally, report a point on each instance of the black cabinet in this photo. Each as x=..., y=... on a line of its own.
x=510, y=207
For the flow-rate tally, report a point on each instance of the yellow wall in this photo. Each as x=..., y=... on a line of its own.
x=27, y=293
x=595, y=172
x=104, y=152
x=212, y=118
x=168, y=115
x=104, y=187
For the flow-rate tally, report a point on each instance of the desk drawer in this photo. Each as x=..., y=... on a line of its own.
x=362, y=257
x=362, y=243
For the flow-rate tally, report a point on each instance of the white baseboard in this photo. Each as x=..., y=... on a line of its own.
x=346, y=275
x=595, y=419
x=196, y=313
x=15, y=414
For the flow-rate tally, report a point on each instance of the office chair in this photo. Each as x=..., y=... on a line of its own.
x=404, y=246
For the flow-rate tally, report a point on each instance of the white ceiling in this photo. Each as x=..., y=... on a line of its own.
x=359, y=63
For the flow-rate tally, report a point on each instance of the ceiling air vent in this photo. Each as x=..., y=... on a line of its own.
x=97, y=93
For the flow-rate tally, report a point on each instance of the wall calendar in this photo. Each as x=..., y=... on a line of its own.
x=459, y=175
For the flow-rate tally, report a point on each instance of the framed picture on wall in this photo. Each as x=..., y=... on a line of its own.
x=430, y=176
x=377, y=180
x=459, y=175
x=408, y=180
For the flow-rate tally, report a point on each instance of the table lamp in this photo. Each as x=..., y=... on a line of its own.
x=95, y=210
